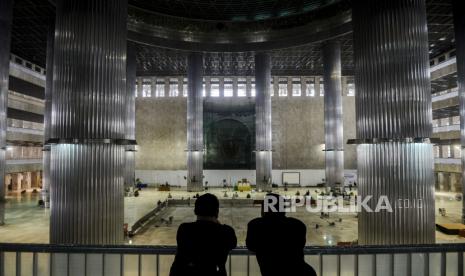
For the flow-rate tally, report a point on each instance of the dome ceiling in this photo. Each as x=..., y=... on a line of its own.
x=231, y=10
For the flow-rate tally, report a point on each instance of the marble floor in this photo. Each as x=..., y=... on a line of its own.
x=28, y=223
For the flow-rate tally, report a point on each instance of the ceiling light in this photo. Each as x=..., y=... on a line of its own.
x=442, y=38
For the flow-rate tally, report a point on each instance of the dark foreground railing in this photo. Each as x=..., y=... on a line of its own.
x=62, y=260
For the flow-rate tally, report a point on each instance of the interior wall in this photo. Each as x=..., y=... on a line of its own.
x=161, y=133
x=215, y=177
x=298, y=133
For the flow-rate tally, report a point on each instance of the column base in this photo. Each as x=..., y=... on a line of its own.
x=87, y=195
x=397, y=175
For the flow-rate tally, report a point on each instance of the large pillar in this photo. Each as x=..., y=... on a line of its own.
x=459, y=25
x=48, y=116
x=263, y=150
x=129, y=168
x=6, y=17
x=88, y=122
x=334, y=154
x=194, y=122
x=393, y=107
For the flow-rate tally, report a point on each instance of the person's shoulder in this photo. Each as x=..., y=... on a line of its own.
x=255, y=223
x=186, y=226
x=296, y=222
x=227, y=229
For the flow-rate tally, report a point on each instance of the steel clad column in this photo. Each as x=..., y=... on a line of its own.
x=48, y=116
x=6, y=18
x=334, y=152
x=129, y=168
x=459, y=25
x=88, y=122
x=263, y=154
x=194, y=122
x=393, y=108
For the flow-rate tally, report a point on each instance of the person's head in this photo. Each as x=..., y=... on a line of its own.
x=273, y=205
x=207, y=205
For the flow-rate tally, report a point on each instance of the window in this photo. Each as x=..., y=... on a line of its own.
x=184, y=87
x=173, y=88
x=282, y=87
x=214, y=87
x=146, y=90
x=310, y=88
x=446, y=151
x=160, y=88
x=351, y=89
x=436, y=151
x=296, y=87
x=457, y=151
x=242, y=87
x=322, y=88
x=253, y=92
x=228, y=87
x=444, y=121
x=272, y=88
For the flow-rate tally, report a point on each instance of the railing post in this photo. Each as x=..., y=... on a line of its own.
x=158, y=264
x=426, y=264
x=139, y=265
x=18, y=263
x=443, y=263
x=34, y=264
x=248, y=264
x=460, y=263
x=121, y=264
x=2, y=264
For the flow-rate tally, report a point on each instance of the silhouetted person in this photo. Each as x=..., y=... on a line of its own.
x=278, y=241
x=204, y=245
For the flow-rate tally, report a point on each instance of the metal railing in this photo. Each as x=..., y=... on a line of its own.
x=448, y=128
x=60, y=260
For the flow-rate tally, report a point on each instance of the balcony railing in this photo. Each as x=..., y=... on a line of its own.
x=455, y=161
x=418, y=260
x=446, y=128
x=440, y=97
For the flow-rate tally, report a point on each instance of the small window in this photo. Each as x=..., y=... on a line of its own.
x=146, y=90
x=214, y=87
x=242, y=87
x=442, y=58
x=228, y=87
x=351, y=89
x=282, y=87
x=173, y=87
x=452, y=54
x=296, y=87
x=160, y=88
x=184, y=87
x=310, y=92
